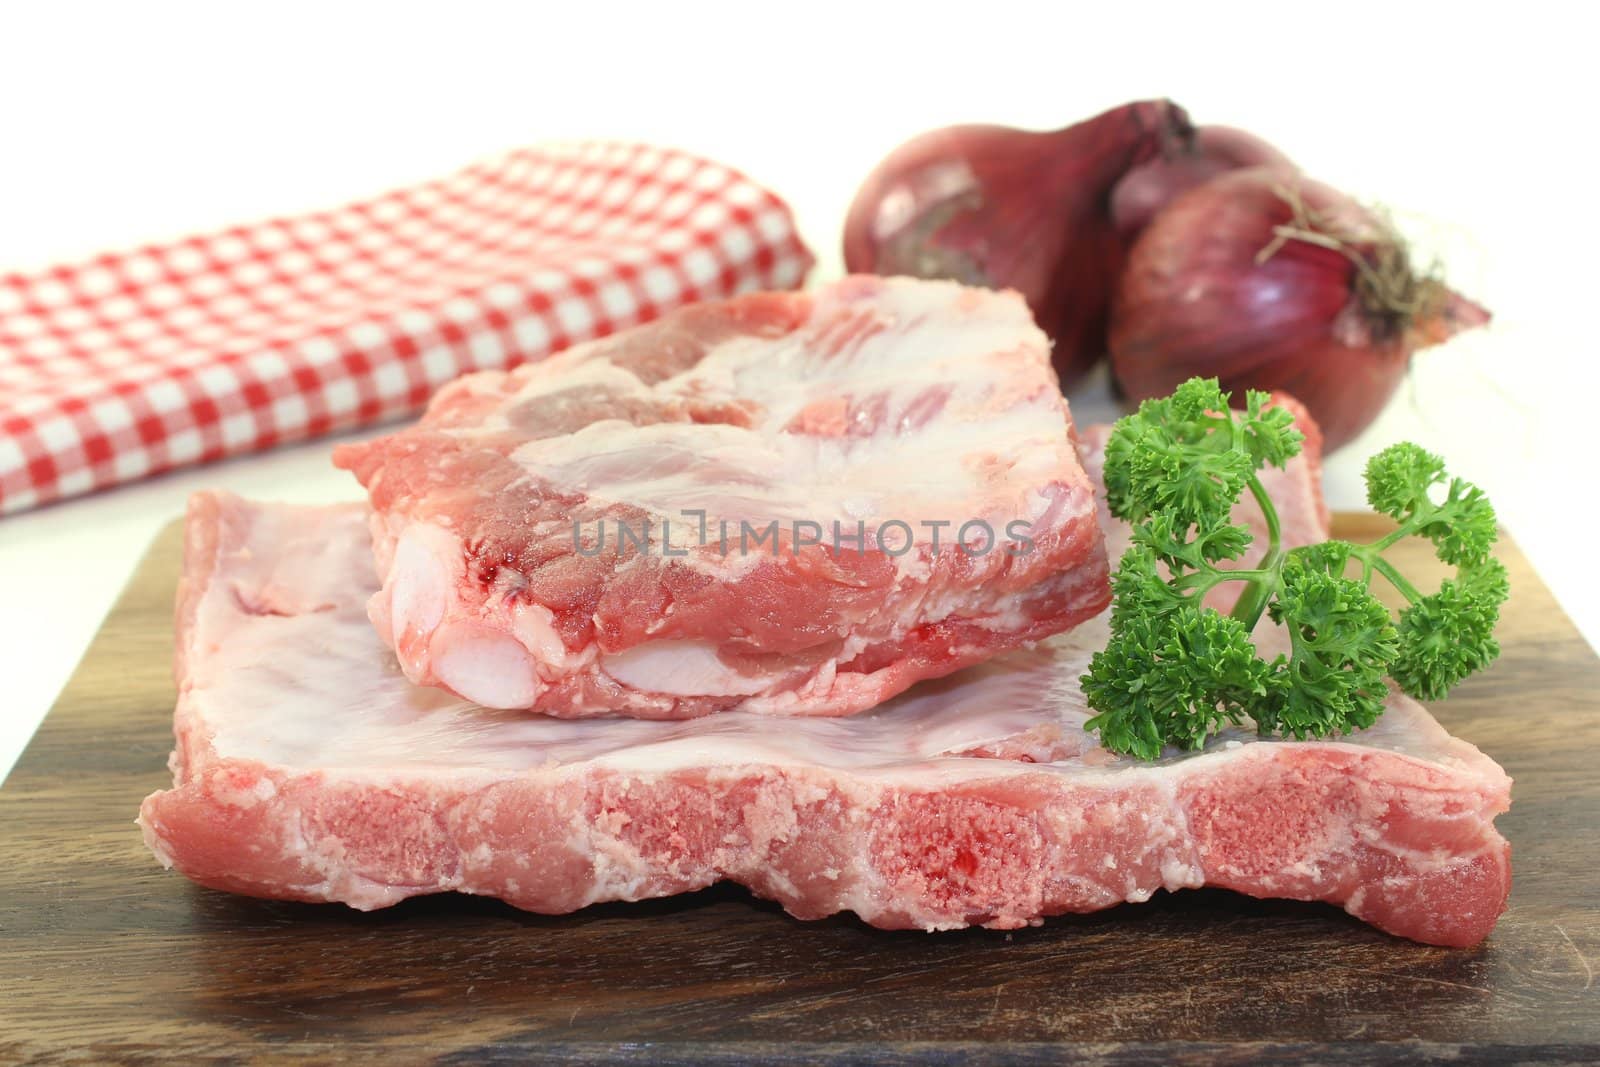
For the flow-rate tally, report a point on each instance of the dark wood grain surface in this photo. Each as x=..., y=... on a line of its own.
x=105, y=956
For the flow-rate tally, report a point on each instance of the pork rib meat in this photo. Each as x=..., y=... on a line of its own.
x=308, y=768
x=739, y=505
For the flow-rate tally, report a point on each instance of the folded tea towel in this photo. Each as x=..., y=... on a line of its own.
x=139, y=362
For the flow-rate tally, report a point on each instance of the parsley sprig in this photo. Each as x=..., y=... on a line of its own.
x=1175, y=672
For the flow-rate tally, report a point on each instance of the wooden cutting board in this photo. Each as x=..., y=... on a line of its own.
x=104, y=953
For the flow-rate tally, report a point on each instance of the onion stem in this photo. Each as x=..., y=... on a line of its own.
x=1386, y=282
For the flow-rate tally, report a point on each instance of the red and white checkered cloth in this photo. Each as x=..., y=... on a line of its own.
x=176, y=354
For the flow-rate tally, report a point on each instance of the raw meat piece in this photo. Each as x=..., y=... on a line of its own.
x=497, y=519
x=308, y=768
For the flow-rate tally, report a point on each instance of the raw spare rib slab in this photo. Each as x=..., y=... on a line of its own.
x=308, y=768
x=726, y=437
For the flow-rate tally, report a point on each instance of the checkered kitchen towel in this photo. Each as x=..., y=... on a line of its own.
x=171, y=355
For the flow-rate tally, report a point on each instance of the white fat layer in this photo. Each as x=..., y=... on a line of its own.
x=680, y=668
x=670, y=469
x=309, y=686
x=484, y=665
x=966, y=433
x=421, y=584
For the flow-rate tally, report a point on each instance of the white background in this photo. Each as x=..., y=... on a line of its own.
x=133, y=123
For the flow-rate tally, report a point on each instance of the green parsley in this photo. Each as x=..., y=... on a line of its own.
x=1175, y=672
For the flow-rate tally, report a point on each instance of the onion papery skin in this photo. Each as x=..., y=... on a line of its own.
x=1007, y=208
x=1197, y=299
x=1211, y=152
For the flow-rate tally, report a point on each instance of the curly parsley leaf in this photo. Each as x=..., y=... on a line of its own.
x=1343, y=641
x=1449, y=635
x=1400, y=484
x=1169, y=675
x=1175, y=672
x=1188, y=458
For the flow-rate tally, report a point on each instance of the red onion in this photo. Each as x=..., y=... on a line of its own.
x=1272, y=282
x=1213, y=150
x=1000, y=207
